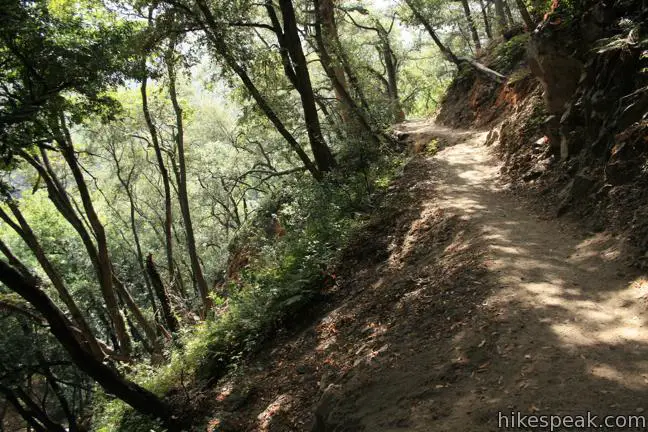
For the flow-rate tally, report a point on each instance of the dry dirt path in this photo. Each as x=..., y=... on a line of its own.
x=455, y=303
x=566, y=323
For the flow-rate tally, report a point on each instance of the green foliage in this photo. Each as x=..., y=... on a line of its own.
x=519, y=74
x=568, y=10
x=27, y=350
x=423, y=82
x=507, y=55
x=48, y=51
x=432, y=147
x=536, y=121
x=63, y=247
x=289, y=273
x=112, y=415
x=539, y=7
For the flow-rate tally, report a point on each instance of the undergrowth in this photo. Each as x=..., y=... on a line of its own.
x=506, y=56
x=286, y=276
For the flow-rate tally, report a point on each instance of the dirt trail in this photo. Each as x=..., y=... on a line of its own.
x=459, y=302
x=569, y=324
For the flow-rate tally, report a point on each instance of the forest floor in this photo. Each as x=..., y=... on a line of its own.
x=456, y=302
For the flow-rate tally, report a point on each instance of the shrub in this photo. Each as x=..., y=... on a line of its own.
x=507, y=55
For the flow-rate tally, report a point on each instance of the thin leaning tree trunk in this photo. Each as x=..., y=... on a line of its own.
x=24, y=230
x=58, y=392
x=127, y=186
x=447, y=53
x=329, y=30
x=139, y=398
x=487, y=24
x=183, y=196
x=220, y=47
x=104, y=263
x=166, y=183
x=28, y=415
x=167, y=312
x=61, y=201
x=528, y=21
x=321, y=151
x=136, y=312
x=450, y=56
x=471, y=24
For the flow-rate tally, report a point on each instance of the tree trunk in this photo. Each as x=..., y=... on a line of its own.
x=326, y=18
x=331, y=65
x=183, y=196
x=362, y=117
x=59, y=197
x=487, y=24
x=494, y=75
x=131, y=393
x=65, y=407
x=58, y=392
x=501, y=16
x=290, y=73
x=471, y=24
x=509, y=15
x=391, y=66
x=528, y=21
x=3, y=413
x=392, y=80
x=220, y=46
x=29, y=409
x=28, y=415
x=156, y=280
x=164, y=173
x=127, y=186
x=136, y=312
x=23, y=229
x=13, y=260
x=321, y=152
x=104, y=263
x=447, y=53
x=450, y=56
x=354, y=81
x=38, y=411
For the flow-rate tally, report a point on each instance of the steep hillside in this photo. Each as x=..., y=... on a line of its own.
x=570, y=121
